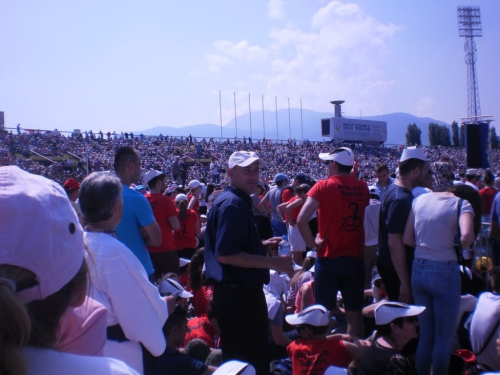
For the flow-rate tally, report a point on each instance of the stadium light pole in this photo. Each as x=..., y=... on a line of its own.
x=220, y=111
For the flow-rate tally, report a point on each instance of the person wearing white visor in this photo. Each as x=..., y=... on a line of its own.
x=315, y=351
x=396, y=325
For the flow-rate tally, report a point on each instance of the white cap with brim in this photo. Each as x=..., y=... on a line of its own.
x=151, y=174
x=172, y=287
x=181, y=197
x=312, y=254
x=472, y=172
x=342, y=155
x=235, y=368
x=183, y=262
x=193, y=184
x=315, y=315
x=387, y=312
x=413, y=153
x=243, y=159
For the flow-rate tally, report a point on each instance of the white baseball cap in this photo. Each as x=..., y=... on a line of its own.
x=315, y=315
x=172, y=287
x=312, y=254
x=151, y=174
x=342, y=155
x=472, y=172
x=243, y=159
x=193, y=184
x=387, y=312
x=374, y=190
x=413, y=153
x=181, y=197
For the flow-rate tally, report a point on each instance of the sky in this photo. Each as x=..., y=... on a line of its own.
x=131, y=65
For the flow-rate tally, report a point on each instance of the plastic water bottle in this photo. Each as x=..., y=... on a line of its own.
x=284, y=246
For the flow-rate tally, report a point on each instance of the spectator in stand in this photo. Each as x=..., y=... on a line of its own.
x=371, y=225
x=302, y=276
x=393, y=258
x=384, y=179
x=164, y=257
x=472, y=178
x=315, y=351
x=138, y=226
x=136, y=312
x=194, y=196
x=487, y=195
x=261, y=213
x=176, y=170
x=185, y=237
x=425, y=187
x=205, y=328
x=215, y=171
x=485, y=324
x=203, y=197
x=273, y=196
x=37, y=287
x=72, y=187
x=341, y=201
x=396, y=326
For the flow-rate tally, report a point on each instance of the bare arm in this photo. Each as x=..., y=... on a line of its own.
x=153, y=234
x=409, y=234
x=174, y=222
x=245, y=260
x=192, y=202
x=263, y=203
x=281, y=210
x=299, y=202
x=278, y=337
x=398, y=255
x=306, y=212
x=466, y=223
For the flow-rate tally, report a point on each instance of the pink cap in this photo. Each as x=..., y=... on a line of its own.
x=39, y=231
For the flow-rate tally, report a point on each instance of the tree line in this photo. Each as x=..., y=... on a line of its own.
x=444, y=135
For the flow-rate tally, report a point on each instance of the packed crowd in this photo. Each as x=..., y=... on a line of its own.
x=290, y=157
x=268, y=258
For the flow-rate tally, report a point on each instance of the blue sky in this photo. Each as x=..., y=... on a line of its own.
x=130, y=65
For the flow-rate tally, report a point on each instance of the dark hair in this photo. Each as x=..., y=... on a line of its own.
x=176, y=319
x=489, y=178
x=472, y=196
x=382, y=167
x=183, y=212
x=212, y=312
x=210, y=190
x=123, y=156
x=195, y=277
x=302, y=188
x=316, y=330
x=98, y=195
x=405, y=167
x=152, y=183
x=385, y=329
x=495, y=279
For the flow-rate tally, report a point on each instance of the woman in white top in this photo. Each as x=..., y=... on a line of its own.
x=431, y=228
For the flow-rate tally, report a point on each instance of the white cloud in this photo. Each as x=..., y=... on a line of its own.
x=424, y=107
x=275, y=9
x=341, y=56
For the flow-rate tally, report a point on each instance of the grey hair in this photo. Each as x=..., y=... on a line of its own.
x=98, y=195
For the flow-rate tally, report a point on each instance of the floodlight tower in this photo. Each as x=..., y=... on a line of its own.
x=469, y=26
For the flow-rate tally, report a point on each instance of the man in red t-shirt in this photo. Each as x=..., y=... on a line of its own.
x=164, y=257
x=314, y=352
x=341, y=200
x=488, y=193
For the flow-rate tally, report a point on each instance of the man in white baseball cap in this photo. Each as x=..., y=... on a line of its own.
x=394, y=258
x=237, y=265
x=341, y=201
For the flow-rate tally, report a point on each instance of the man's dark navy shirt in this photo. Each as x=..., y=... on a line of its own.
x=394, y=211
x=231, y=229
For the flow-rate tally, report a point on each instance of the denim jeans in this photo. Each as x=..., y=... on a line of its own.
x=435, y=285
x=279, y=228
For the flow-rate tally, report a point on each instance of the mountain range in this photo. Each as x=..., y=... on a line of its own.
x=285, y=124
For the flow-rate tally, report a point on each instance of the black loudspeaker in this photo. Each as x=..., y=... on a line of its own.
x=476, y=143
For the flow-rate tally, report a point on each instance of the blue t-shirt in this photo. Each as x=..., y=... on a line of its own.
x=394, y=211
x=231, y=229
x=495, y=209
x=137, y=213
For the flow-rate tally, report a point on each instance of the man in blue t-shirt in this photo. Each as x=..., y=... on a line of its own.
x=138, y=226
x=394, y=258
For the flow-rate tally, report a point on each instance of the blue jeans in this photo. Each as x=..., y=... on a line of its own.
x=279, y=228
x=435, y=285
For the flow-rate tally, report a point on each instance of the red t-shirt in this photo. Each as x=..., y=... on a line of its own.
x=196, y=206
x=314, y=356
x=201, y=300
x=487, y=196
x=342, y=202
x=296, y=210
x=286, y=195
x=163, y=208
x=185, y=236
x=200, y=328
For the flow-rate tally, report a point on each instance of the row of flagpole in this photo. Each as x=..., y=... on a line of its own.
x=263, y=116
